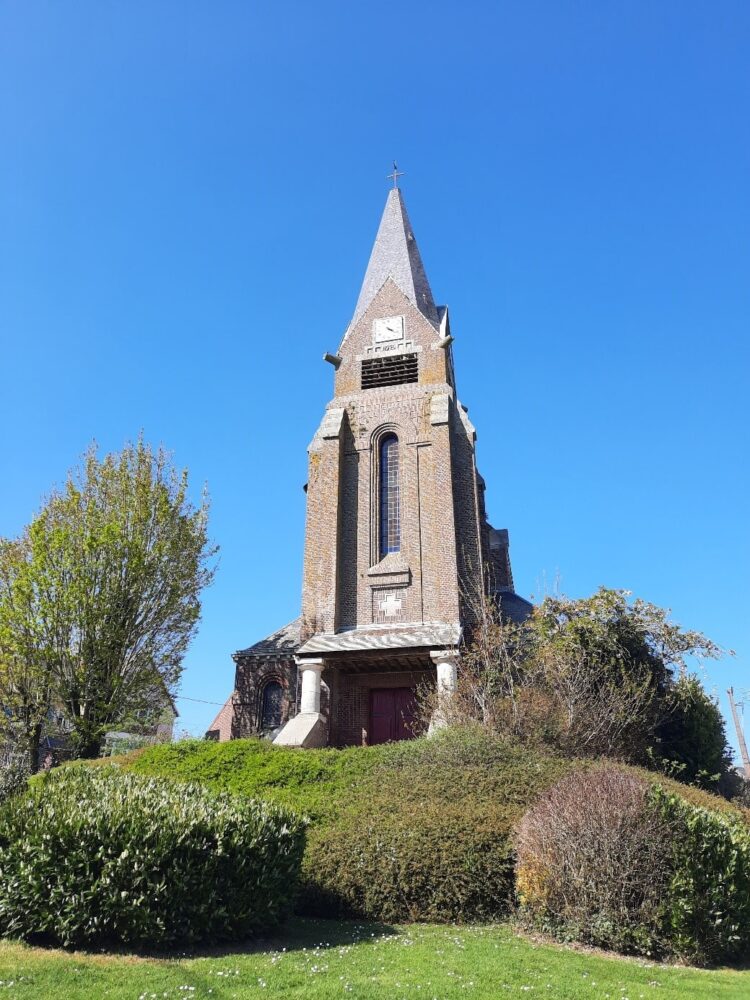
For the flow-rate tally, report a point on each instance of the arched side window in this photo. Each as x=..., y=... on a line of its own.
x=390, y=514
x=271, y=705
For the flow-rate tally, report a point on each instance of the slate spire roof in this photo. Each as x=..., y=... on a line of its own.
x=396, y=255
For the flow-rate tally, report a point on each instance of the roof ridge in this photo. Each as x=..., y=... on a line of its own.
x=264, y=647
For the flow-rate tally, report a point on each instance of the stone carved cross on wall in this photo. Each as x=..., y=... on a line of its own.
x=390, y=605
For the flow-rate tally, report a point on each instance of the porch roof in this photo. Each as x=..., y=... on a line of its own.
x=379, y=638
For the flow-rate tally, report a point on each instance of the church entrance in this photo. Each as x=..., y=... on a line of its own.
x=393, y=714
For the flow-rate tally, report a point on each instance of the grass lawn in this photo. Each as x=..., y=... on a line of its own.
x=319, y=959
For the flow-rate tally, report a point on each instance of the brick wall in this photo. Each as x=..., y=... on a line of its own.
x=252, y=673
x=345, y=580
x=350, y=700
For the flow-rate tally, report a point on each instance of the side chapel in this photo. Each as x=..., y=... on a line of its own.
x=396, y=531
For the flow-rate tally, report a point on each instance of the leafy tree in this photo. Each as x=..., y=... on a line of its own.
x=115, y=566
x=26, y=681
x=610, y=666
x=692, y=735
x=616, y=634
x=596, y=676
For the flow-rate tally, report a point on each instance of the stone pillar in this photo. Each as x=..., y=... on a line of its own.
x=307, y=728
x=310, y=697
x=446, y=663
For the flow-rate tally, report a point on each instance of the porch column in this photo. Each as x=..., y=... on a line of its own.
x=307, y=728
x=446, y=663
x=310, y=697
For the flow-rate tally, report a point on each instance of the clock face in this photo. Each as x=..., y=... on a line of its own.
x=389, y=328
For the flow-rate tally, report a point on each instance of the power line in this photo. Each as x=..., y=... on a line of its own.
x=201, y=701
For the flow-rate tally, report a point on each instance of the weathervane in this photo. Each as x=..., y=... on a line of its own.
x=395, y=175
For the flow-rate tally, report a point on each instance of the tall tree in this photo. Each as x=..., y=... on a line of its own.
x=117, y=562
x=26, y=681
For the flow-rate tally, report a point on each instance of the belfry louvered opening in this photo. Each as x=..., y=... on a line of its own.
x=393, y=370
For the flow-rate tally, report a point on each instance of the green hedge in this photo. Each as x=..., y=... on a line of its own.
x=707, y=908
x=315, y=782
x=93, y=855
x=418, y=830
x=428, y=836
x=430, y=862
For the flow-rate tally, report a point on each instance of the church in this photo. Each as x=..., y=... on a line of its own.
x=397, y=538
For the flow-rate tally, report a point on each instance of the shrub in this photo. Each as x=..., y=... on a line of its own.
x=440, y=809
x=428, y=835
x=315, y=782
x=416, y=830
x=14, y=776
x=404, y=860
x=611, y=859
x=593, y=861
x=692, y=735
x=91, y=855
x=707, y=907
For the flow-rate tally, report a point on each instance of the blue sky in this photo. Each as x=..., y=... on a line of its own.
x=188, y=197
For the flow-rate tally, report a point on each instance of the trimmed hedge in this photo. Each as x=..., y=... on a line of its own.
x=431, y=862
x=707, y=907
x=428, y=836
x=418, y=830
x=95, y=855
x=608, y=858
x=316, y=782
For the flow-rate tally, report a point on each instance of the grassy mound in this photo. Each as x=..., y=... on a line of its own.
x=419, y=830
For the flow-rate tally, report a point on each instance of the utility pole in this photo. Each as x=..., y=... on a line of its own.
x=740, y=734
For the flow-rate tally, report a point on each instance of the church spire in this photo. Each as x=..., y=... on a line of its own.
x=396, y=255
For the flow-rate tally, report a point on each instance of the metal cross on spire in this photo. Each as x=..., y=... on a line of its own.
x=395, y=175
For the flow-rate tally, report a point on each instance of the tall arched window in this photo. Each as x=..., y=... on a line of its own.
x=390, y=517
x=271, y=704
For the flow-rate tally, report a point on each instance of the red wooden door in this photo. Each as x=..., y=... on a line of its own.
x=392, y=714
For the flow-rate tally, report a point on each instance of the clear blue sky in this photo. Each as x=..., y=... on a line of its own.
x=188, y=197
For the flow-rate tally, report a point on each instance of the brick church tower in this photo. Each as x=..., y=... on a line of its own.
x=396, y=532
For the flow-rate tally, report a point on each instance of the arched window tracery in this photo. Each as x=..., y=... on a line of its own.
x=390, y=499
x=271, y=705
